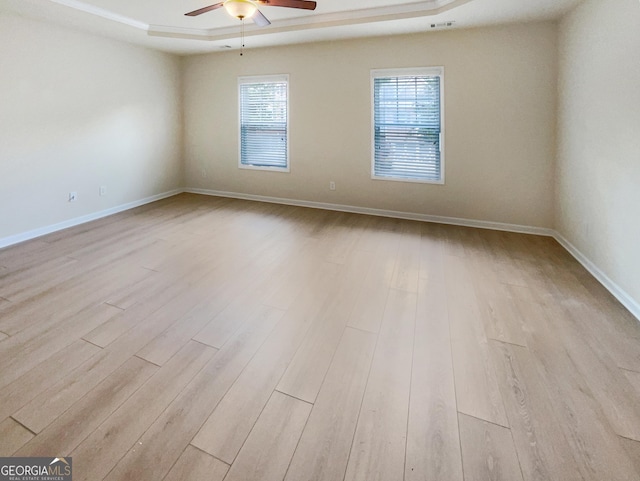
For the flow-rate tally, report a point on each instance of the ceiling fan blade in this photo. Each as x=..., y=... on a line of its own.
x=259, y=19
x=200, y=11
x=304, y=4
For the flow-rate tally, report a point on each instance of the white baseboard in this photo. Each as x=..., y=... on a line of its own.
x=523, y=229
x=625, y=299
x=32, y=234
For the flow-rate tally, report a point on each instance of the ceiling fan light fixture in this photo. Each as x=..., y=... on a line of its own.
x=240, y=8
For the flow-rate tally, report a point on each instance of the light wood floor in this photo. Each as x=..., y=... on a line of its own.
x=206, y=339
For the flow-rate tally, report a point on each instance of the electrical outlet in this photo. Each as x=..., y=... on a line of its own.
x=103, y=190
x=73, y=196
x=332, y=185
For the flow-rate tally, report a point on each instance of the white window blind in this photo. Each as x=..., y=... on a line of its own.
x=407, y=124
x=264, y=122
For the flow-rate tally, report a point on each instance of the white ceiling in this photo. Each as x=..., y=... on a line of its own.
x=161, y=24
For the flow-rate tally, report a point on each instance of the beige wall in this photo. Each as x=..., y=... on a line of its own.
x=77, y=112
x=598, y=172
x=500, y=98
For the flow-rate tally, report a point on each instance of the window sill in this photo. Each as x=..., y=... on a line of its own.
x=407, y=179
x=265, y=169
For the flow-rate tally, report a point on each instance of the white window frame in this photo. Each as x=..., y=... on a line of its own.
x=262, y=79
x=408, y=72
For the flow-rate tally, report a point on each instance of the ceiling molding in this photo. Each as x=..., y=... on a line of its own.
x=337, y=19
x=101, y=12
x=161, y=25
x=351, y=17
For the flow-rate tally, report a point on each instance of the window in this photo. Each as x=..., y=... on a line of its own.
x=264, y=123
x=408, y=125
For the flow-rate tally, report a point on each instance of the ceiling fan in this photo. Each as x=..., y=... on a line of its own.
x=242, y=9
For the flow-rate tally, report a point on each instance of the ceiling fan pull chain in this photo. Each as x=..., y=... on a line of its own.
x=242, y=37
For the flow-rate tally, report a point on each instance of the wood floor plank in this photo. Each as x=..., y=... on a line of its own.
x=369, y=306
x=609, y=386
x=407, y=269
x=82, y=418
x=370, y=238
x=97, y=233
x=13, y=436
x=154, y=299
x=323, y=451
x=157, y=251
x=633, y=451
x=619, y=339
x=453, y=237
x=284, y=288
x=102, y=450
x=181, y=256
x=431, y=249
x=195, y=465
x=203, y=322
x=473, y=243
x=31, y=347
x=621, y=328
x=488, y=453
x=179, y=263
x=103, y=238
x=497, y=308
x=380, y=439
x=588, y=344
x=162, y=347
x=477, y=389
x=137, y=240
x=225, y=431
x=24, y=283
x=20, y=255
x=88, y=290
x=56, y=331
x=596, y=447
x=158, y=449
x=268, y=451
x=220, y=329
x=56, y=274
x=543, y=451
x=19, y=316
x=344, y=238
x=44, y=375
x=505, y=265
x=433, y=444
x=307, y=370
x=127, y=296
x=508, y=273
x=57, y=399
x=634, y=378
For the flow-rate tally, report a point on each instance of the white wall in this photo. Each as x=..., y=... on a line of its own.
x=77, y=112
x=598, y=172
x=500, y=100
